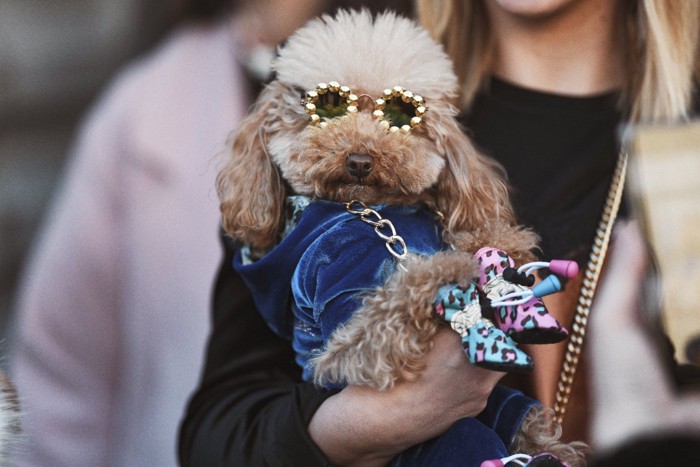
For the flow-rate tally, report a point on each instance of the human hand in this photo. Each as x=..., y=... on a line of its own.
x=632, y=390
x=364, y=426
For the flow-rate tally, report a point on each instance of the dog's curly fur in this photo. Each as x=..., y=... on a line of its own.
x=276, y=153
x=390, y=334
x=540, y=433
x=435, y=163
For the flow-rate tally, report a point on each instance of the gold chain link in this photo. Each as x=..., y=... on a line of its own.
x=394, y=243
x=588, y=288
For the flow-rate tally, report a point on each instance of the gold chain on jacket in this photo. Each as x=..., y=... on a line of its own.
x=588, y=288
x=394, y=242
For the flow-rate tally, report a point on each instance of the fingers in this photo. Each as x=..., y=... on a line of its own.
x=630, y=385
x=447, y=351
x=363, y=425
x=454, y=384
x=683, y=415
x=620, y=288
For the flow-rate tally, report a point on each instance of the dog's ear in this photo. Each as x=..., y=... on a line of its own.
x=472, y=191
x=250, y=187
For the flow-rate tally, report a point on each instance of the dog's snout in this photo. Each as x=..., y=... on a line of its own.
x=359, y=165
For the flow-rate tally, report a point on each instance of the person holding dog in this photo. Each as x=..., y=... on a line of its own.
x=544, y=91
x=545, y=85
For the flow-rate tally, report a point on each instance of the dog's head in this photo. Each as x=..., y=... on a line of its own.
x=360, y=110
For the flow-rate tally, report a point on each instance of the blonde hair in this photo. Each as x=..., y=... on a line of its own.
x=662, y=58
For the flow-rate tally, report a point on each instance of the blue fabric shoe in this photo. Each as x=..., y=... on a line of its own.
x=489, y=347
x=485, y=345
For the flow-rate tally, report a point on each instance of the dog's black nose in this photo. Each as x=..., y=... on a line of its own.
x=359, y=165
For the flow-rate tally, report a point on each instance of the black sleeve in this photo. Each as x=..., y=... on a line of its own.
x=250, y=408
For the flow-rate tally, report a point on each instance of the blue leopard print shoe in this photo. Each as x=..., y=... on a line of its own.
x=484, y=344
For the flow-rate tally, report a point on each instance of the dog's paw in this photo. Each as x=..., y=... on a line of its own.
x=364, y=355
x=540, y=432
x=386, y=340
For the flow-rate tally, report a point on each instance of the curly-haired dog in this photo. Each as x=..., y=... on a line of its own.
x=330, y=186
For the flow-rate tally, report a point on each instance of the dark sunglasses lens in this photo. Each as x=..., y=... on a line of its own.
x=330, y=105
x=398, y=112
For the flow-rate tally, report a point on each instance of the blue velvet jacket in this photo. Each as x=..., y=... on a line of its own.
x=324, y=266
x=316, y=277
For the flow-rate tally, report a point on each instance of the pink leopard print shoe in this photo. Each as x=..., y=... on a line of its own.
x=526, y=320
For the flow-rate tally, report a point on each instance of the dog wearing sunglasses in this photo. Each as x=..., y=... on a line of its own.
x=367, y=219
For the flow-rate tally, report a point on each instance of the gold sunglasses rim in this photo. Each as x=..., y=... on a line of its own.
x=352, y=99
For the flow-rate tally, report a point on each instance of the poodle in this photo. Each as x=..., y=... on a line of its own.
x=367, y=219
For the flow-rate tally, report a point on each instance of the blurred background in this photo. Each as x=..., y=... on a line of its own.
x=54, y=58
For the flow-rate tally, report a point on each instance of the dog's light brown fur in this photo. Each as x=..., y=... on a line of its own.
x=435, y=163
x=539, y=433
x=276, y=153
x=385, y=341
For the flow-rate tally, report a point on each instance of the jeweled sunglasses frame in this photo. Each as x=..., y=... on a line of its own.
x=416, y=102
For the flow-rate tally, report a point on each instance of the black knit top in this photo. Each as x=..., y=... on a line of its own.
x=559, y=152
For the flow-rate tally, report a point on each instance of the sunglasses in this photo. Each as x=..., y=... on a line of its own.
x=398, y=109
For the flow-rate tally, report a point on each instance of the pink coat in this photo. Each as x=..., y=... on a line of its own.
x=114, y=307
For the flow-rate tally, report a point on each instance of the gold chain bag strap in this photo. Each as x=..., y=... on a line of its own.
x=588, y=288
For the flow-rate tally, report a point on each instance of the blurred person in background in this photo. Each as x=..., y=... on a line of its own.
x=113, y=309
